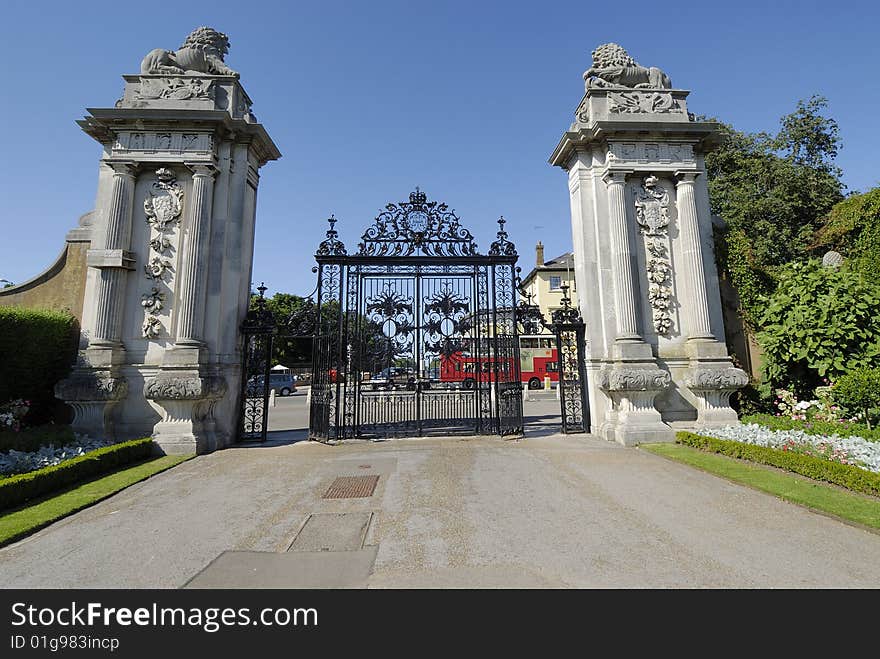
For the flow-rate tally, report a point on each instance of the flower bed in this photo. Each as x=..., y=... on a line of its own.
x=21, y=462
x=21, y=488
x=843, y=427
x=815, y=466
x=850, y=450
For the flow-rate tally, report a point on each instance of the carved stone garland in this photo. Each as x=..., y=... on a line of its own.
x=652, y=214
x=162, y=210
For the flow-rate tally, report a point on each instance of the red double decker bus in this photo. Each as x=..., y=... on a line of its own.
x=538, y=359
x=537, y=354
x=466, y=369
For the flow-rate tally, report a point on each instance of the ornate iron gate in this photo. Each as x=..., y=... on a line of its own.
x=263, y=336
x=257, y=332
x=416, y=332
x=568, y=328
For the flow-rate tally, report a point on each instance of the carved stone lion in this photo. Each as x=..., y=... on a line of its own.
x=202, y=52
x=613, y=67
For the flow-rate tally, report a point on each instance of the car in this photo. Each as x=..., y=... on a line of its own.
x=393, y=376
x=284, y=384
x=396, y=377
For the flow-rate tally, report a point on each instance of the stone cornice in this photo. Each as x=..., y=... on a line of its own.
x=703, y=133
x=104, y=123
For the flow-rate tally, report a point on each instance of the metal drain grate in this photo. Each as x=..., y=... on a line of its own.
x=350, y=487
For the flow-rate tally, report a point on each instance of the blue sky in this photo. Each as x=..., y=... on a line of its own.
x=366, y=100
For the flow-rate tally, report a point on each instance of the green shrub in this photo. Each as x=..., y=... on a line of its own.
x=842, y=428
x=20, y=488
x=820, y=322
x=30, y=439
x=848, y=476
x=858, y=392
x=37, y=349
x=853, y=228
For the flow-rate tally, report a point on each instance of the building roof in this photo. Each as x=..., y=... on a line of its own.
x=563, y=262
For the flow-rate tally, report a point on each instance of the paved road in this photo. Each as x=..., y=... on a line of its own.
x=545, y=511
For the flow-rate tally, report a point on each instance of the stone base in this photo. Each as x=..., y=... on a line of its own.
x=180, y=438
x=712, y=384
x=92, y=393
x=632, y=387
x=186, y=400
x=634, y=435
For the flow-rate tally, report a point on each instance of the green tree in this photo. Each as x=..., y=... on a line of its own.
x=859, y=392
x=771, y=191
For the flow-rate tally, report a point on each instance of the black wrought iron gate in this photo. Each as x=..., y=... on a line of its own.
x=569, y=328
x=416, y=332
x=568, y=331
x=262, y=336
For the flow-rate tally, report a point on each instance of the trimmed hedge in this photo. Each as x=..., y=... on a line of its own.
x=37, y=349
x=848, y=476
x=813, y=427
x=21, y=488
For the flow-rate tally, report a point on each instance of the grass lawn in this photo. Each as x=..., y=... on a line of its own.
x=849, y=506
x=26, y=519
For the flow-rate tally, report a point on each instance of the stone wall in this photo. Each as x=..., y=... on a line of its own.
x=61, y=286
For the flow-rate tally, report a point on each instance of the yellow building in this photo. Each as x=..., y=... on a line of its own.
x=544, y=284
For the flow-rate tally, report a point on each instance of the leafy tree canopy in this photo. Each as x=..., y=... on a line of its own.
x=774, y=188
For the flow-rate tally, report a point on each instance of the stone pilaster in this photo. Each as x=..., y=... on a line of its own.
x=711, y=378
x=95, y=386
x=697, y=309
x=114, y=261
x=624, y=294
x=191, y=285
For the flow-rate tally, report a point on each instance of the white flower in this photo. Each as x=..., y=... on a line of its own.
x=20, y=462
x=858, y=448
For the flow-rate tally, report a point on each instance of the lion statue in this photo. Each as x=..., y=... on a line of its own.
x=202, y=52
x=613, y=67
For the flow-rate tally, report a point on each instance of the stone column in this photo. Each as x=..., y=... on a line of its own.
x=192, y=277
x=712, y=379
x=95, y=387
x=698, y=307
x=114, y=260
x=624, y=294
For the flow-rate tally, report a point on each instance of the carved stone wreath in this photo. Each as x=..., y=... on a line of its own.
x=162, y=209
x=642, y=103
x=180, y=89
x=652, y=214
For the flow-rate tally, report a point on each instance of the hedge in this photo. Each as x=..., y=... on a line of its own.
x=37, y=349
x=844, y=429
x=20, y=488
x=29, y=440
x=848, y=476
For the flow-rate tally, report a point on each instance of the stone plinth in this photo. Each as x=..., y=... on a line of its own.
x=644, y=263
x=169, y=270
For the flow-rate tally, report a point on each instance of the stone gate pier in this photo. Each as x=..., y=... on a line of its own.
x=644, y=255
x=169, y=271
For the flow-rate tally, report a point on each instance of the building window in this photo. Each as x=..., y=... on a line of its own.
x=555, y=283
